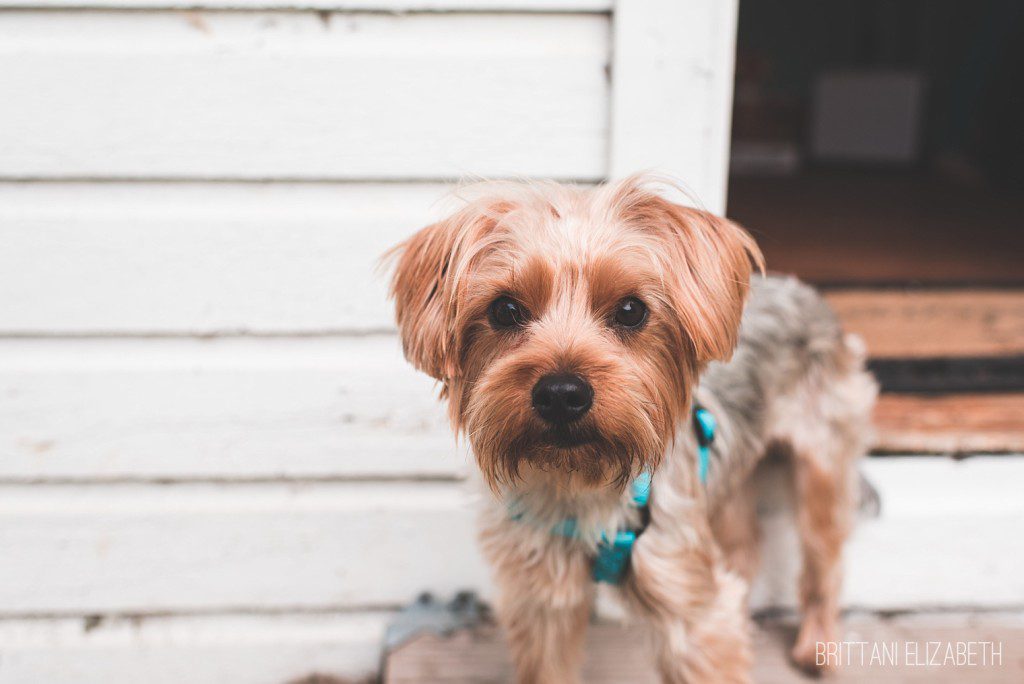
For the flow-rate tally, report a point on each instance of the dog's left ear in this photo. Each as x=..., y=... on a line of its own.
x=711, y=259
x=426, y=284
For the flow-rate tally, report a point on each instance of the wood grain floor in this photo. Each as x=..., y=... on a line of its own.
x=951, y=424
x=872, y=227
x=617, y=654
x=910, y=323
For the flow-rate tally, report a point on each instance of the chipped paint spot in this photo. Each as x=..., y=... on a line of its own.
x=37, y=446
x=197, y=21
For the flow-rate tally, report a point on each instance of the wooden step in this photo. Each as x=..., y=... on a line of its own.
x=619, y=654
x=959, y=423
x=936, y=342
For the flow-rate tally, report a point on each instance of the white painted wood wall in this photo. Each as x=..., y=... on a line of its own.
x=214, y=465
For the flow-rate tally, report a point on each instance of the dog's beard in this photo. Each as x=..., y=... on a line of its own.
x=579, y=454
x=625, y=432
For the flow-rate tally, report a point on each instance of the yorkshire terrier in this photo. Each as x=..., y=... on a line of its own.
x=618, y=371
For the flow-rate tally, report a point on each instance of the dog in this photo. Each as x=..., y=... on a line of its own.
x=574, y=332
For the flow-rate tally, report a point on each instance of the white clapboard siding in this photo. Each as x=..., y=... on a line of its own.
x=302, y=95
x=202, y=259
x=234, y=408
x=265, y=649
x=345, y=5
x=143, y=548
x=944, y=537
x=178, y=507
x=150, y=548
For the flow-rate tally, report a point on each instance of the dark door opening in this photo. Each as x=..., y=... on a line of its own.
x=878, y=151
x=881, y=142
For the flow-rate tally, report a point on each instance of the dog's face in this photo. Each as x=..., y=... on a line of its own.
x=568, y=326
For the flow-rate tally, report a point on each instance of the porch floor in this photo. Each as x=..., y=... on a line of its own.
x=619, y=654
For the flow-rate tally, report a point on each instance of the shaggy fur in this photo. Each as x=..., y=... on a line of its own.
x=795, y=385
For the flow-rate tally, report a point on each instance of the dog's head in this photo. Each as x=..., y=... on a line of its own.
x=568, y=326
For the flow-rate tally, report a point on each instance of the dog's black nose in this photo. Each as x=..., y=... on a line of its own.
x=563, y=398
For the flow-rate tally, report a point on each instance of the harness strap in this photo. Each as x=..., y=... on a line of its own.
x=704, y=425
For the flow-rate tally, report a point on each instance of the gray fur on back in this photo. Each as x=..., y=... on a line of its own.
x=788, y=335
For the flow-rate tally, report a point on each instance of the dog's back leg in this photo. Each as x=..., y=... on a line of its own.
x=825, y=505
x=826, y=430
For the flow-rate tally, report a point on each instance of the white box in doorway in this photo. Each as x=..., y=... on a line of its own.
x=867, y=116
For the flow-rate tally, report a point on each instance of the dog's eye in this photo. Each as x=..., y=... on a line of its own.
x=631, y=313
x=506, y=312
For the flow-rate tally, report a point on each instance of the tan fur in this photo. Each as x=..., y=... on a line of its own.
x=824, y=443
x=737, y=532
x=569, y=256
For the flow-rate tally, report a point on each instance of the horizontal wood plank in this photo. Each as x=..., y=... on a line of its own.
x=250, y=649
x=950, y=424
x=934, y=323
x=303, y=96
x=202, y=259
x=311, y=408
x=235, y=409
x=182, y=548
x=190, y=258
x=620, y=653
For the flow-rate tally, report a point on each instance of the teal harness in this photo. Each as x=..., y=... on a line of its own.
x=613, y=553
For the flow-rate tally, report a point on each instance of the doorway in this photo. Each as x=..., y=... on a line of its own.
x=878, y=152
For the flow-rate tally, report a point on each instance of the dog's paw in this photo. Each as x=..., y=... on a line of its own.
x=806, y=657
x=811, y=652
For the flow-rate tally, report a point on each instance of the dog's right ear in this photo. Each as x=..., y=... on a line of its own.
x=426, y=285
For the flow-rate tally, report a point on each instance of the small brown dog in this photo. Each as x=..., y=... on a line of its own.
x=573, y=332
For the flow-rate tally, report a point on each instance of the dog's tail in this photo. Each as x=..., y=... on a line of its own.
x=870, y=504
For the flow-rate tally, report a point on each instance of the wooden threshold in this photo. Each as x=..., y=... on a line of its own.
x=959, y=423
x=620, y=654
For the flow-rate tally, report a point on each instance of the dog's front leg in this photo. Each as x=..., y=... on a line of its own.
x=696, y=607
x=544, y=603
